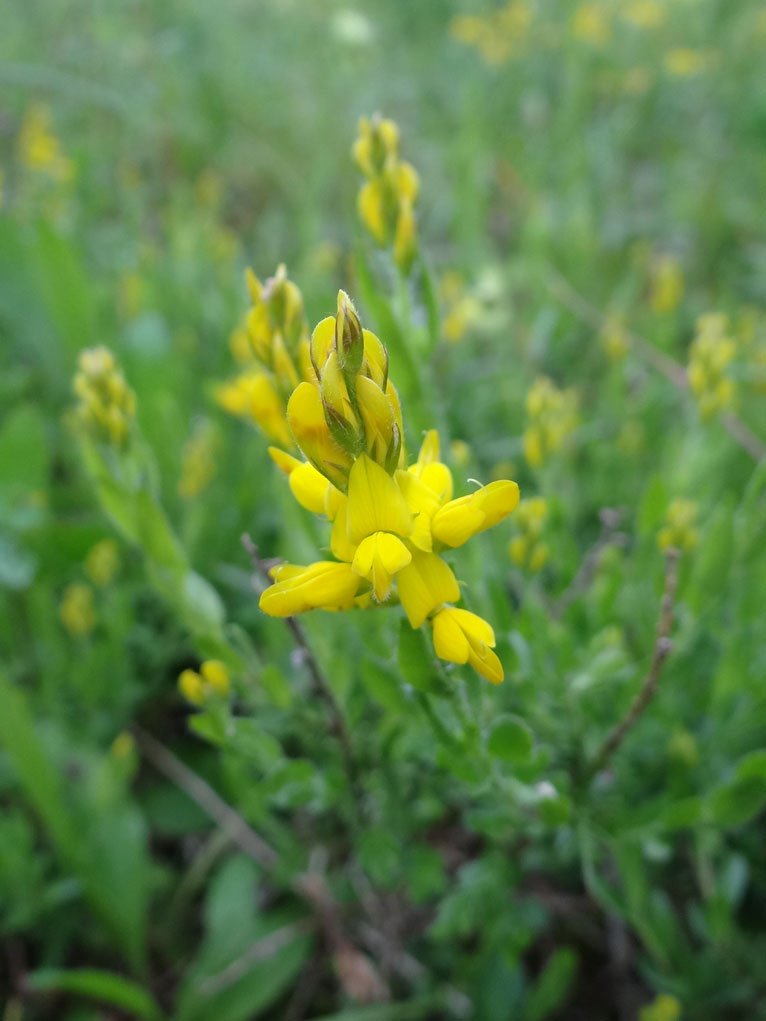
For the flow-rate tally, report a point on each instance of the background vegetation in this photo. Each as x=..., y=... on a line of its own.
x=356, y=833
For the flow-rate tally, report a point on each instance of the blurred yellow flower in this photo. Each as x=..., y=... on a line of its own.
x=614, y=339
x=527, y=549
x=710, y=356
x=679, y=529
x=497, y=36
x=39, y=149
x=212, y=681
x=682, y=62
x=666, y=284
x=386, y=200
x=107, y=405
x=123, y=745
x=590, y=24
x=551, y=418
x=76, y=609
x=663, y=1008
x=198, y=462
x=102, y=562
x=644, y=13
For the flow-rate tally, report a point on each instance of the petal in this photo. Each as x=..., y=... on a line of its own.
x=488, y=665
x=449, y=641
x=309, y=487
x=325, y=585
x=425, y=584
x=475, y=627
x=378, y=558
x=322, y=341
x=375, y=502
x=455, y=522
x=284, y=461
x=339, y=542
x=499, y=499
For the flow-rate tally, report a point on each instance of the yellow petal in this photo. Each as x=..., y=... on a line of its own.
x=305, y=416
x=370, y=206
x=424, y=584
x=450, y=642
x=321, y=586
x=378, y=558
x=455, y=522
x=309, y=487
x=322, y=341
x=284, y=461
x=339, y=541
x=375, y=502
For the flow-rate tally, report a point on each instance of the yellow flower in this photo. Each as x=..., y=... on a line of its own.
x=216, y=674
x=123, y=745
x=644, y=13
x=464, y=637
x=386, y=200
x=39, y=149
x=198, y=463
x=590, y=24
x=527, y=549
x=252, y=396
x=710, y=355
x=551, y=418
x=212, y=681
x=679, y=530
x=107, y=405
x=76, y=610
x=615, y=339
x=102, y=562
x=388, y=521
x=684, y=61
x=666, y=284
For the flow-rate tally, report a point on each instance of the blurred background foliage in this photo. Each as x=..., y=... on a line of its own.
x=592, y=183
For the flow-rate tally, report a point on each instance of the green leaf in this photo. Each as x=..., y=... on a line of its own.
x=384, y=685
x=552, y=986
x=411, y=1011
x=96, y=985
x=738, y=801
x=432, y=304
x=23, y=452
x=653, y=506
x=511, y=739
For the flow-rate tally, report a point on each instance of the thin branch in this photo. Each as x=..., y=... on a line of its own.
x=261, y=950
x=563, y=291
x=610, y=518
x=660, y=652
x=319, y=681
x=202, y=794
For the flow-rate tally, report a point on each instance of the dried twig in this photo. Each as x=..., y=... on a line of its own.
x=610, y=519
x=662, y=647
x=563, y=291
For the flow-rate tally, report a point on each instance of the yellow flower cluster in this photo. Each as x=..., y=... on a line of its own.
x=272, y=346
x=497, y=36
x=527, y=549
x=212, y=680
x=107, y=405
x=679, y=529
x=389, y=522
x=710, y=355
x=551, y=418
x=386, y=201
x=666, y=285
x=39, y=149
x=102, y=562
x=76, y=609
